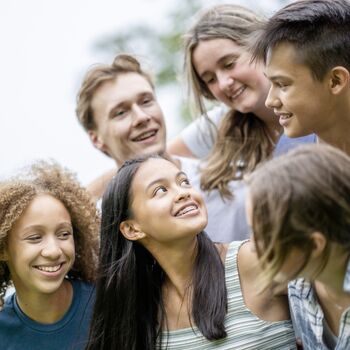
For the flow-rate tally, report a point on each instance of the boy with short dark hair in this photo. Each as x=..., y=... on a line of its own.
x=306, y=49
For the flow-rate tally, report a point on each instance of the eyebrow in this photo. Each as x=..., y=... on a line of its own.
x=276, y=77
x=162, y=179
x=122, y=103
x=223, y=58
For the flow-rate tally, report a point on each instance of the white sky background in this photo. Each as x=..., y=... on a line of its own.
x=46, y=47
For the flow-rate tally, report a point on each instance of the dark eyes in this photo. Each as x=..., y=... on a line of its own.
x=64, y=234
x=229, y=64
x=280, y=84
x=36, y=238
x=119, y=113
x=185, y=182
x=146, y=101
x=162, y=189
x=159, y=189
x=33, y=238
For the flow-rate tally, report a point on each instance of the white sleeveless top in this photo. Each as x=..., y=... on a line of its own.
x=245, y=331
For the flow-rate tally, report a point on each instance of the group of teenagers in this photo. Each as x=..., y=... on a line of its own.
x=233, y=235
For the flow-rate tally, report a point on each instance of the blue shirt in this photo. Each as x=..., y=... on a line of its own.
x=308, y=316
x=19, y=332
x=286, y=143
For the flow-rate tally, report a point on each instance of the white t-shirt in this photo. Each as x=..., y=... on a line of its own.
x=200, y=135
x=226, y=217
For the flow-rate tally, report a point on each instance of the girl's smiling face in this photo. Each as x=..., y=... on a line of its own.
x=226, y=70
x=164, y=205
x=40, y=248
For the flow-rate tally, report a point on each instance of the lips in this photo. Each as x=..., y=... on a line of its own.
x=187, y=208
x=50, y=269
x=145, y=135
x=238, y=92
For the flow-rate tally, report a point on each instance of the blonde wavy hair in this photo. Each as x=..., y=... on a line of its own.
x=243, y=140
x=310, y=192
x=49, y=178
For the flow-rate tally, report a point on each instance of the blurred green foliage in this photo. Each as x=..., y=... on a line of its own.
x=162, y=45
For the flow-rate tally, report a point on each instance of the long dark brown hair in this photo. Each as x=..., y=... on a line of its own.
x=129, y=312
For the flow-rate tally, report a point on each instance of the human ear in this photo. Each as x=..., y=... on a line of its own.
x=319, y=243
x=131, y=230
x=97, y=141
x=339, y=79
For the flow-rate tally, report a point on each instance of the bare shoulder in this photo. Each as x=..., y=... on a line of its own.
x=263, y=303
x=248, y=262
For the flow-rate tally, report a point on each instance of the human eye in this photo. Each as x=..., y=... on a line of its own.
x=64, y=234
x=229, y=64
x=119, y=113
x=185, y=182
x=208, y=78
x=33, y=238
x=147, y=100
x=280, y=84
x=159, y=190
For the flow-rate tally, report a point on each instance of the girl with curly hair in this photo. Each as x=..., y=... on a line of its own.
x=48, y=251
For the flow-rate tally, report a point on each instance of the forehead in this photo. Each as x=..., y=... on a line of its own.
x=152, y=170
x=124, y=87
x=209, y=52
x=39, y=209
x=283, y=60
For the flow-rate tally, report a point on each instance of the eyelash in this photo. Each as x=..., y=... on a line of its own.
x=229, y=65
x=186, y=181
x=159, y=188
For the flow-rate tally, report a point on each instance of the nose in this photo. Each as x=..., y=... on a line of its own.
x=140, y=116
x=272, y=100
x=51, y=249
x=225, y=80
x=183, y=194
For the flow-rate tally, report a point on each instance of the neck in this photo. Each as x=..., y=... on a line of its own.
x=338, y=139
x=336, y=131
x=46, y=308
x=177, y=263
x=271, y=121
x=332, y=276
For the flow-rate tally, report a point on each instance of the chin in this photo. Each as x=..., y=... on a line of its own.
x=294, y=133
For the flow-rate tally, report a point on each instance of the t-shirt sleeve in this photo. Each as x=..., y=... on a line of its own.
x=200, y=135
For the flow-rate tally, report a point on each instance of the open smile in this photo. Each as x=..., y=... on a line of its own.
x=50, y=270
x=189, y=209
x=237, y=93
x=146, y=136
x=283, y=117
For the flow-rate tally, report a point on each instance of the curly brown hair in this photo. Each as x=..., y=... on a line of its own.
x=47, y=177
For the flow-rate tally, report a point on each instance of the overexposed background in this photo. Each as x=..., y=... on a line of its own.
x=46, y=47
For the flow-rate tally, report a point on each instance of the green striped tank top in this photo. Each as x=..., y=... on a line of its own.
x=245, y=331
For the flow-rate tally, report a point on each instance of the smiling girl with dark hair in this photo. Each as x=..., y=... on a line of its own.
x=163, y=283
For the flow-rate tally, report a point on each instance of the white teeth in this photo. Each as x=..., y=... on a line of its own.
x=285, y=116
x=238, y=93
x=145, y=135
x=49, y=268
x=186, y=210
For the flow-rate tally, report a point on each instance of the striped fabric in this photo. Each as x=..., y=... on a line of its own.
x=245, y=331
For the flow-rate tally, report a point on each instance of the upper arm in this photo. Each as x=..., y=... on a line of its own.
x=177, y=147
